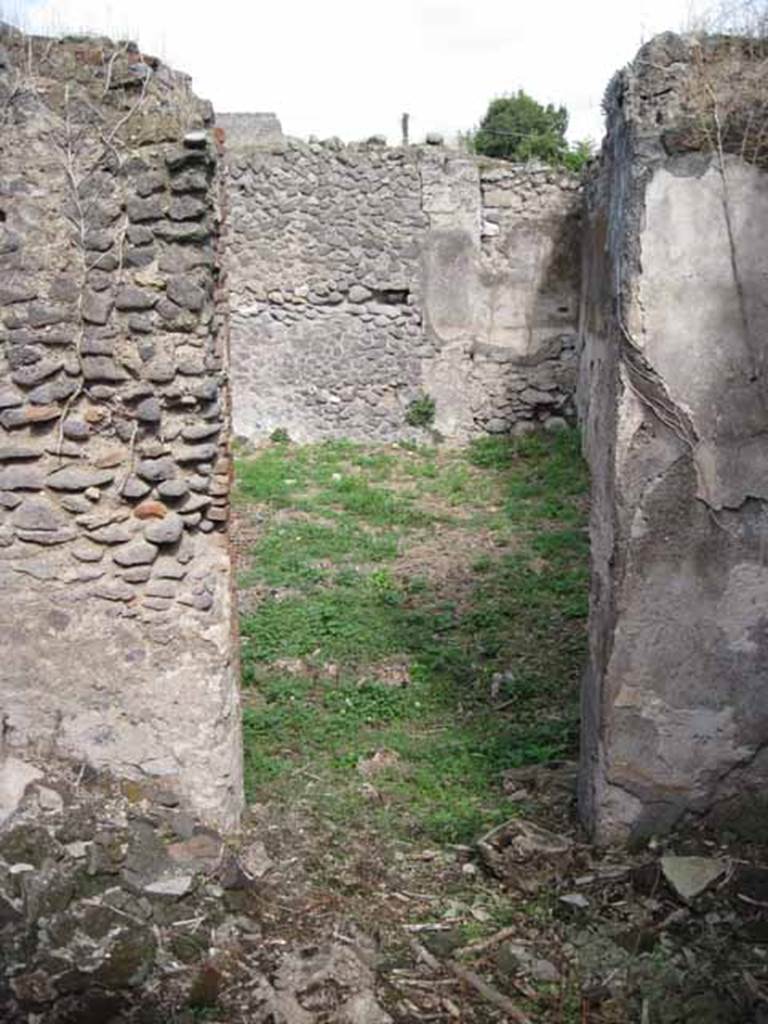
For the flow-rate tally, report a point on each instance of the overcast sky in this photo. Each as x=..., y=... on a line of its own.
x=351, y=67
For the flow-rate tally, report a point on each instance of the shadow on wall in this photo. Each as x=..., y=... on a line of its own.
x=527, y=363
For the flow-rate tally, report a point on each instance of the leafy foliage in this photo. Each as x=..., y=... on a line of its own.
x=579, y=155
x=519, y=128
x=421, y=411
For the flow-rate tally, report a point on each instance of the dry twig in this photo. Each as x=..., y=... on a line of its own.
x=492, y=940
x=489, y=993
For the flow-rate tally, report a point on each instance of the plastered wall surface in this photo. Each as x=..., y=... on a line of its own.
x=673, y=397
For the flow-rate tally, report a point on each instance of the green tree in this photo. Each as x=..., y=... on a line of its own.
x=519, y=128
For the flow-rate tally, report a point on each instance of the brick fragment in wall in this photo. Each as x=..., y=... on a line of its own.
x=139, y=257
x=13, y=419
x=56, y=391
x=172, y=489
x=142, y=210
x=151, y=181
x=190, y=181
x=187, y=207
x=31, y=374
x=130, y=298
x=183, y=231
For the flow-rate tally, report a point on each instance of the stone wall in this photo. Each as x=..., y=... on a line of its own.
x=363, y=278
x=116, y=618
x=118, y=907
x=673, y=398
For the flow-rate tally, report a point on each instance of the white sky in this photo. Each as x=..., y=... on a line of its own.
x=351, y=67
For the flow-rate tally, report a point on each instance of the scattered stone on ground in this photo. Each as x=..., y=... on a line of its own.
x=690, y=876
x=525, y=855
x=117, y=906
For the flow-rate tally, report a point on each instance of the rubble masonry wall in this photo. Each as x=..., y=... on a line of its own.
x=363, y=278
x=116, y=615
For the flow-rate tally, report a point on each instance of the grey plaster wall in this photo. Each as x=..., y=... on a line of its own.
x=116, y=615
x=673, y=398
x=362, y=278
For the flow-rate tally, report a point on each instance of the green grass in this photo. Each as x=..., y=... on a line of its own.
x=295, y=553
x=345, y=622
x=341, y=477
x=355, y=496
x=347, y=608
x=545, y=475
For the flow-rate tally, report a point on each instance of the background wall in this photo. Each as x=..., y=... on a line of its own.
x=362, y=278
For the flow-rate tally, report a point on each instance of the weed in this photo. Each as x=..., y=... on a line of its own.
x=551, y=475
x=417, y=585
x=421, y=412
x=273, y=476
x=482, y=564
x=492, y=452
x=408, y=446
x=423, y=470
x=375, y=505
x=346, y=622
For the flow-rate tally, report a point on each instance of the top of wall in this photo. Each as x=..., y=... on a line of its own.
x=258, y=130
x=678, y=86
x=251, y=137
x=262, y=131
x=157, y=102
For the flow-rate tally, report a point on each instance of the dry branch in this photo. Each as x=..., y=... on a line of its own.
x=492, y=940
x=489, y=993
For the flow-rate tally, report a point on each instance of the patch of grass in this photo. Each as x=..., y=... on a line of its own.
x=338, y=476
x=461, y=487
x=426, y=451
x=294, y=707
x=349, y=608
x=549, y=475
x=297, y=553
x=273, y=476
x=354, y=621
x=492, y=452
x=374, y=505
x=280, y=473
x=376, y=465
x=426, y=469
x=545, y=472
x=482, y=564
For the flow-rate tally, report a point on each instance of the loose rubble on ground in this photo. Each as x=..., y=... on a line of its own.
x=117, y=905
